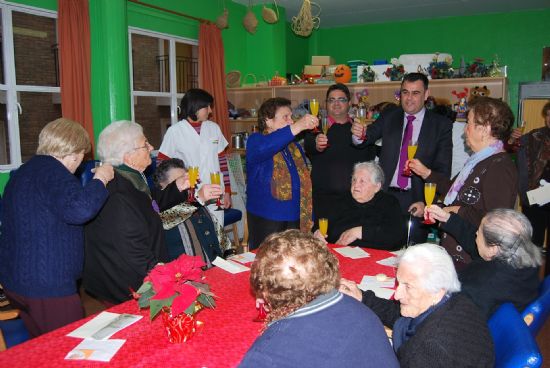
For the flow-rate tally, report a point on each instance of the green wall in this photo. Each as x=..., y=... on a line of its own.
x=517, y=38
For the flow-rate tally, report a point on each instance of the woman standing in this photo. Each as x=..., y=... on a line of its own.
x=278, y=179
x=488, y=179
x=42, y=244
x=198, y=142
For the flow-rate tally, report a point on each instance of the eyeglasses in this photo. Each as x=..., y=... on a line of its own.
x=146, y=146
x=339, y=99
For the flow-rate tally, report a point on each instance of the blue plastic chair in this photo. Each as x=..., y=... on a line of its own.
x=230, y=218
x=514, y=345
x=12, y=330
x=536, y=313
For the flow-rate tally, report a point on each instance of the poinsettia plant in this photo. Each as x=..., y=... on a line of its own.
x=177, y=285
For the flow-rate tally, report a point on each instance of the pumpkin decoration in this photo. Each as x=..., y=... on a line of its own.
x=342, y=74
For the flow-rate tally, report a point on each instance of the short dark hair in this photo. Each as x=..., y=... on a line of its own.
x=163, y=168
x=546, y=109
x=339, y=87
x=269, y=109
x=194, y=100
x=413, y=77
x=495, y=113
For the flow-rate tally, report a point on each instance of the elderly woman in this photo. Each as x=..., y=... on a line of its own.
x=368, y=217
x=188, y=228
x=505, y=261
x=198, y=141
x=42, y=240
x=488, y=179
x=278, y=181
x=311, y=324
x=126, y=239
x=433, y=325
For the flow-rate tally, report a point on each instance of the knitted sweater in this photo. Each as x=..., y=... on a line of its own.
x=333, y=330
x=42, y=245
x=260, y=150
x=454, y=335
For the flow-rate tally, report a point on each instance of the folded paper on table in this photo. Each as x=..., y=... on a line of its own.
x=539, y=196
x=229, y=266
x=391, y=261
x=245, y=257
x=99, y=350
x=352, y=252
x=104, y=325
x=378, y=291
x=389, y=282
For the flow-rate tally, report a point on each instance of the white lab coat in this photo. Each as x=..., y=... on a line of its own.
x=182, y=141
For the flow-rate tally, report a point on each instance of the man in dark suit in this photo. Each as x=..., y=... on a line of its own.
x=411, y=122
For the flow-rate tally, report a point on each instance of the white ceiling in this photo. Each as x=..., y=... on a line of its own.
x=338, y=13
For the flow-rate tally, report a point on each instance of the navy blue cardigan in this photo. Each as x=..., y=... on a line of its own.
x=42, y=244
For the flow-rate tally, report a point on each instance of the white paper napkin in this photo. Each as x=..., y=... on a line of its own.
x=229, y=266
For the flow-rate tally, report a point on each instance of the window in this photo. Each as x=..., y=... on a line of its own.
x=163, y=68
x=29, y=80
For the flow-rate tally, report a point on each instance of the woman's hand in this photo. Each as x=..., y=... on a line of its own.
x=321, y=142
x=418, y=168
x=182, y=182
x=350, y=288
x=105, y=173
x=350, y=235
x=307, y=122
x=514, y=136
x=320, y=236
x=436, y=213
x=209, y=191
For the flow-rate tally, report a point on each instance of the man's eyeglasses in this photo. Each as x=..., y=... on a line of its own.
x=339, y=99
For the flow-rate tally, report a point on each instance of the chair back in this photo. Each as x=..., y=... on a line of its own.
x=514, y=344
x=12, y=329
x=536, y=313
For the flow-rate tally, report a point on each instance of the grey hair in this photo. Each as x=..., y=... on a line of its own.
x=116, y=140
x=511, y=231
x=434, y=266
x=376, y=172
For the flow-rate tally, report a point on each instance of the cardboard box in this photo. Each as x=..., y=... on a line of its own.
x=314, y=69
x=322, y=60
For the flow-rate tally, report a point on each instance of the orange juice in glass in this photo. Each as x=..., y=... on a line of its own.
x=193, y=176
x=323, y=226
x=215, y=178
x=429, y=195
x=411, y=151
x=314, y=109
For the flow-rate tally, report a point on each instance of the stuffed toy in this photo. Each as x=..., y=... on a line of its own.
x=479, y=92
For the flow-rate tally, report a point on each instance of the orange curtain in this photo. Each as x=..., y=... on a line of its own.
x=212, y=73
x=74, y=52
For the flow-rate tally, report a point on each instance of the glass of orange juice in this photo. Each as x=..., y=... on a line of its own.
x=314, y=109
x=323, y=226
x=411, y=152
x=215, y=178
x=193, y=177
x=429, y=195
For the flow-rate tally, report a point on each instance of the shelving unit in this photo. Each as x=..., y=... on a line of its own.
x=441, y=89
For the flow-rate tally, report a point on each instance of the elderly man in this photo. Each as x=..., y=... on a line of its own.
x=411, y=122
x=433, y=325
x=311, y=324
x=332, y=165
x=368, y=216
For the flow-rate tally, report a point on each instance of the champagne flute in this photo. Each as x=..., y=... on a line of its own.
x=323, y=226
x=429, y=195
x=216, y=179
x=314, y=109
x=193, y=176
x=325, y=126
x=411, y=151
x=361, y=115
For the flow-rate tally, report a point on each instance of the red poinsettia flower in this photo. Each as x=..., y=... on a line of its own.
x=167, y=278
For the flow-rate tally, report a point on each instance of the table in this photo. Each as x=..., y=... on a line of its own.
x=227, y=334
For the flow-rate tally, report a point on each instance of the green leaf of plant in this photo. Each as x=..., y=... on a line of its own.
x=156, y=305
x=191, y=309
x=144, y=298
x=206, y=300
x=146, y=286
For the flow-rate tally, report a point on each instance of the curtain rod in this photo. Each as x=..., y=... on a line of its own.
x=202, y=20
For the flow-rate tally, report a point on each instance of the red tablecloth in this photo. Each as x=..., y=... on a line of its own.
x=228, y=330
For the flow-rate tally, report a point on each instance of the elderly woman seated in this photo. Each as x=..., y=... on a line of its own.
x=505, y=261
x=311, y=324
x=189, y=228
x=368, y=217
x=433, y=325
x=126, y=239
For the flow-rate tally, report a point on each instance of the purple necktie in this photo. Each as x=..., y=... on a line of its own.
x=402, y=180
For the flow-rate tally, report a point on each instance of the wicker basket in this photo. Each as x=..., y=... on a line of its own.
x=233, y=79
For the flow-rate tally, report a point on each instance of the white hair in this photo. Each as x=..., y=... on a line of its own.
x=116, y=140
x=434, y=267
x=375, y=171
